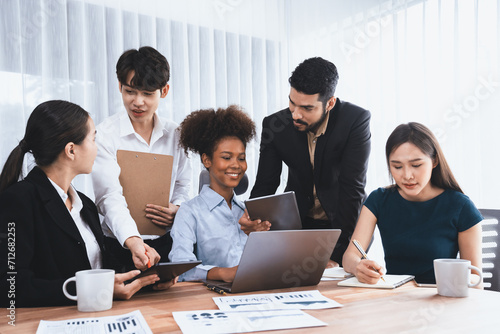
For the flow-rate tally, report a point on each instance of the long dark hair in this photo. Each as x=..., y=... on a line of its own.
x=423, y=138
x=50, y=127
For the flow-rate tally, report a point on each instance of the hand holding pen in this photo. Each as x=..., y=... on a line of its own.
x=149, y=260
x=152, y=256
x=364, y=256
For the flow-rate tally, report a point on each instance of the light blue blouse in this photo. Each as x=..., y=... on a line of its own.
x=206, y=229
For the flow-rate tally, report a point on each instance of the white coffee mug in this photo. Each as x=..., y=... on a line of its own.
x=94, y=289
x=453, y=277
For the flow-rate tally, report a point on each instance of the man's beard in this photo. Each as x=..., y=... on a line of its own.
x=312, y=127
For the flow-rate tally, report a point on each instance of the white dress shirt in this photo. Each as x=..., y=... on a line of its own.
x=117, y=133
x=91, y=244
x=207, y=222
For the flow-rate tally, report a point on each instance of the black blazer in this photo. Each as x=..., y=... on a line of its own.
x=48, y=247
x=341, y=161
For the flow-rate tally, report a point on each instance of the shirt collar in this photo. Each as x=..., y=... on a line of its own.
x=75, y=199
x=158, y=129
x=126, y=127
x=213, y=199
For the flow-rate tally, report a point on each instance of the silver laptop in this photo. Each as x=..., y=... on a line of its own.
x=281, y=259
x=280, y=210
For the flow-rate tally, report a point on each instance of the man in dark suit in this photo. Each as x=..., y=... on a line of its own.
x=325, y=143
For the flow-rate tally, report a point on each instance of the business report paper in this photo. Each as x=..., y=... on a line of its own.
x=305, y=300
x=216, y=321
x=129, y=323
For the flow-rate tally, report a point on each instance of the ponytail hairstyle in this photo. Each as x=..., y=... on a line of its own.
x=423, y=138
x=50, y=127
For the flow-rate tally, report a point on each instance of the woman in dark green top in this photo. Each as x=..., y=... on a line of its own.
x=423, y=216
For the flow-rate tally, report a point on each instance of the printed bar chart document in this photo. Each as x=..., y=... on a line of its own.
x=129, y=323
x=217, y=322
x=304, y=300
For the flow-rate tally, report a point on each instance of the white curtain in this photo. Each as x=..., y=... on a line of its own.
x=220, y=52
x=435, y=62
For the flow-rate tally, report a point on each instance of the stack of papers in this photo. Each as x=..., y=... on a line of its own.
x=236, y=314
x=257, y=312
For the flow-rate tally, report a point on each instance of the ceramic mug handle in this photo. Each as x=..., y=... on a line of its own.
x=476, y=270
x=72, y=279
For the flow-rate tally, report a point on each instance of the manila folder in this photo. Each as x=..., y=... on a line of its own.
x=145, y=179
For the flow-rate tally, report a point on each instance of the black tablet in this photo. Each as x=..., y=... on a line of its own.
x=168, y=270
x=280, y=210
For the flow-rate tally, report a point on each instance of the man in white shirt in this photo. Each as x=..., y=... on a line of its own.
x=143, y=80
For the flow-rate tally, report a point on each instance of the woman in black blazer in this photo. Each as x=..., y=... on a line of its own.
x=49, y=231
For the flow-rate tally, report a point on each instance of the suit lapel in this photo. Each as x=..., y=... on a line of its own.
x=297, y=146
x=95, y=226
x=303, y=161
x=322, y=142
x=303, y=148
x=62, y=218
x=53, y=204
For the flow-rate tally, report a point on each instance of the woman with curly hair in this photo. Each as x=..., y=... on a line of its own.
x=206, y=227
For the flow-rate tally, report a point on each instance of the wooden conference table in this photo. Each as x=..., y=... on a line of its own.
x=407, y=309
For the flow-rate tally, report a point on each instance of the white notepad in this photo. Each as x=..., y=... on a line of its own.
x=391, y=282
x=336, y=272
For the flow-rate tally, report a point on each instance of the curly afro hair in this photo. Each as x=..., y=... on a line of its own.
x=202, y=130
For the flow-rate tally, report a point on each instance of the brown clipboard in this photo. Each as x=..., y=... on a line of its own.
x=145, y=179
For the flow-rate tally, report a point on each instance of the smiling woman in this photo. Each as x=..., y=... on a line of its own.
x=210, y=220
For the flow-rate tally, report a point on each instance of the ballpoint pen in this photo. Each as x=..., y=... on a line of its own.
x=364, y=256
